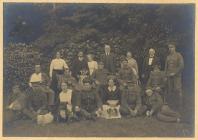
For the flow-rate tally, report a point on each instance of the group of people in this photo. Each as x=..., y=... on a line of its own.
x=90, y=89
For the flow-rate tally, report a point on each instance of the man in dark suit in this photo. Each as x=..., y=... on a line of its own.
x=148, y=63
x=108, y=59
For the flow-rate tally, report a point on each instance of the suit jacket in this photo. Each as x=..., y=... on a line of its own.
x=146, y=68
x=109, y=62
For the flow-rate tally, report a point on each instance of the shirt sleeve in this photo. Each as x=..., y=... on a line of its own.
x=51, y=68
x=30, y=82
x=65, y=64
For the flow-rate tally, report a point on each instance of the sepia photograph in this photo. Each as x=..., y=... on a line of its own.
x=98, y=70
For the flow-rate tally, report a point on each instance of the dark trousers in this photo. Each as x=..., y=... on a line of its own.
x=124, y=111
x=12, y=115
x=56, y=83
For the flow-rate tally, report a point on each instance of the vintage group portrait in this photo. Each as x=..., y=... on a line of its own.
x=98, y=70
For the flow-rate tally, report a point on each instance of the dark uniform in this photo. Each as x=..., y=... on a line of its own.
x=126, y=75
x=89, y=103
x=147, y=68
x=131, y=100
x=161, y=111
x=157, y=79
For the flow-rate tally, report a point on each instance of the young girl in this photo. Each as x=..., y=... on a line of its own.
x=67, y=101
x=111, y=97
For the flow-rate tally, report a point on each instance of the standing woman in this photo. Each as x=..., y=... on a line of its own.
x=132, y=63
x=57, y=68
x=92, y=65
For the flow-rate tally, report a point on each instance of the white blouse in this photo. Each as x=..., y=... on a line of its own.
x=66, y=96
x=57, y=64
x=93, y=65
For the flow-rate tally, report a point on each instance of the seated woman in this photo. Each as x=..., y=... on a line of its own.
x=111, y=98
x=67, y=103
x=89, y=101
x=155, y=106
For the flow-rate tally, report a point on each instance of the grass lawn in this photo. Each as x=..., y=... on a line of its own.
x=125, y=127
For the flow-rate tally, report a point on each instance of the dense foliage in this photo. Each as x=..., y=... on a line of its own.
x=46, y=28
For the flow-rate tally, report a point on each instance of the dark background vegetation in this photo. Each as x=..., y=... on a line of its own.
x=34, y=32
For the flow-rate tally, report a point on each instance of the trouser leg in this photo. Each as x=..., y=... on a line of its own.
x=124, y=111
x=30, y=114
x=141, y=110
x=10, y=116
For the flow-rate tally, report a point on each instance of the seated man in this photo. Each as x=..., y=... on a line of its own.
x=156, y=107
x=99, y=76
x=16, y=108
x=68, y=78
x=131, y=102
x=126, y=75
x=89, y=101
x=67, y=104
x=37, y=106
x=30, y=105
x=39, y=82
x=157, y=80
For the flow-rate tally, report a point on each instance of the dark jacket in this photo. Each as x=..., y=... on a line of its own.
x=156, y=79
x=110, y=95
x=109, y=62
x=77, y=66
x=89, y=100
x=146, y=68
x=100, y=75
x=131, y=98
x=154, y=102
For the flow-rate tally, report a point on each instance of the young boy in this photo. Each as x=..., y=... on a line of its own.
x=156, y=107
x=67, y=102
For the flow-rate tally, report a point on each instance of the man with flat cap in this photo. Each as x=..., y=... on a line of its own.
x=174, y=66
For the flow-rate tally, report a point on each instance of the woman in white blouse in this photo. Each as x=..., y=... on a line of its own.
x=92, y=65
x=57, y=68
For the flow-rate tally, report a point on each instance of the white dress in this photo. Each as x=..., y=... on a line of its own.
x=93, y=65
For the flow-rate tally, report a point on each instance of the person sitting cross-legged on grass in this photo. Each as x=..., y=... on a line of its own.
x=67, y=102
x=89, y=101
x=131, y=102
x=156, y=107
x=16, y=108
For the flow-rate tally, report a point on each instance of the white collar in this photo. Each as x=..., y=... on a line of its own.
x=110, y=89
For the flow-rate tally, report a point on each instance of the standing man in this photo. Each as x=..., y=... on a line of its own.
x=108, y=59
x=79, y=65
x=148, y=63
x=173, y=69
x=57, y=68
